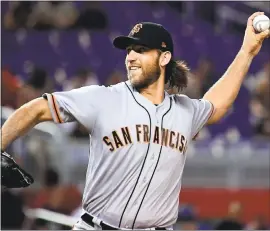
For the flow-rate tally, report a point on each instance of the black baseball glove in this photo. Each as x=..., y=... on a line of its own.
x=12, y=175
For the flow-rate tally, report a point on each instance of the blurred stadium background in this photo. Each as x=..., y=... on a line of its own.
x=52, y=45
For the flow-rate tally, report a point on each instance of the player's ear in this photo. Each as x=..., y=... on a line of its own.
x=165, y=58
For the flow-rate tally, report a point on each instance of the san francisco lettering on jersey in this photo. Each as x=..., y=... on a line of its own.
x=164, y=137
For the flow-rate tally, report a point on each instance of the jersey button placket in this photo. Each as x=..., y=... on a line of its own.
x=134, y=206
x=157, y=119
x=147, y=172
x=157, y=114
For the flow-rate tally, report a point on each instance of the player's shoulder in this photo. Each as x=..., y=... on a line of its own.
x=118, y=87
x=182, y=99
x=102, y=89
x=186, y=101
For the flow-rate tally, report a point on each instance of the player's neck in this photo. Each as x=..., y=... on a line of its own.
x=154, y=92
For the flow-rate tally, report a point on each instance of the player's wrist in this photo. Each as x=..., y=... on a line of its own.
x=246, y=53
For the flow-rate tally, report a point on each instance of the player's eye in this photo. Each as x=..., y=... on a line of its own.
x=140, y=49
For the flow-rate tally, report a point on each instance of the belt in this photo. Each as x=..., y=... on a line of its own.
x=89, y=220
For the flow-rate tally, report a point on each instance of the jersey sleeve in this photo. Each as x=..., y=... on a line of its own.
x=81, y=104
x=203, y=109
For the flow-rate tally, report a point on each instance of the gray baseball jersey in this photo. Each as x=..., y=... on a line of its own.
x=137, y=150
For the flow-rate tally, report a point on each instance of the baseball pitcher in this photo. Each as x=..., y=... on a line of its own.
x=139, y=132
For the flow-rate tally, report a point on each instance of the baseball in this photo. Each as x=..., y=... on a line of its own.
x=261, y=23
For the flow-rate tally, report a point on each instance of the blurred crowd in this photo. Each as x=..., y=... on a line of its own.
x=45, y=15
x=260, y=101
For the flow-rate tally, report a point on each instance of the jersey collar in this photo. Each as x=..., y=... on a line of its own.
x=145, y=102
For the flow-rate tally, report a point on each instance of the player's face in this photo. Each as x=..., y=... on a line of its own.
x=142, y=66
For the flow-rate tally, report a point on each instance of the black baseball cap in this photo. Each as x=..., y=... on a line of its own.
x=148, y=34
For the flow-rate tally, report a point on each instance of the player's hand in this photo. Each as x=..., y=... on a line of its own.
x=253, y=41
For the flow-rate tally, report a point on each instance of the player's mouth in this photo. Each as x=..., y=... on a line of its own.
x=134, y=69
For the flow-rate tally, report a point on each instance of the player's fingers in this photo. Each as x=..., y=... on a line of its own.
x=250, y=19
x=265, y=34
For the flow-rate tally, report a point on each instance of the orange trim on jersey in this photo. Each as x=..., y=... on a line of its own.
x=56, y=109
x=53, y=109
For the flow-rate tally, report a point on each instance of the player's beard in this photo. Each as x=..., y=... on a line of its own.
x=149, y=75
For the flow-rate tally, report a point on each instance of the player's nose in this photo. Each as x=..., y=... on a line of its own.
x=131, y=56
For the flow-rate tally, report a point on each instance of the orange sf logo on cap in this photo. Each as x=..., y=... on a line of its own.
x=136, y=29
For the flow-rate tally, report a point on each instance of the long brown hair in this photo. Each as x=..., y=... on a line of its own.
x=176, y=74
